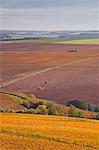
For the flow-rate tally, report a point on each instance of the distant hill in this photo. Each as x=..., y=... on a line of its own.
x=37, y=35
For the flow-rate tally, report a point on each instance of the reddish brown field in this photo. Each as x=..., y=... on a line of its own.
x=26, y=67
x=47, y=46
x=7, y=103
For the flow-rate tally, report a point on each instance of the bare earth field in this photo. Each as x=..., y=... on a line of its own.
x=25, y=66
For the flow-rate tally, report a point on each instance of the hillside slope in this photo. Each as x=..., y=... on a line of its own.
x=28, y=103
x=19, y=131
x=26, y=66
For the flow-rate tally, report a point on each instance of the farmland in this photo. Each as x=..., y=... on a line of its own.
x=60, y=41
x=19, y=131
x=80, y=41
x=51, y=73
x=27, y=65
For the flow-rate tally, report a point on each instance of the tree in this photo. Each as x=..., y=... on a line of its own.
x=41, y=109
x=78, y=103
x=72, y=111
x=52, y=110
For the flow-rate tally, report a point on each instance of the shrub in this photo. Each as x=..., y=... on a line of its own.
x=74, y=112
x=83, y=105
x=61, y=110
x=97, y=108
x=97, y=117
x=91, y=107
x=26, y=104
x=30, y=111
x=78, y=103
x=35, y=104
x=41, y=109
x=52, y=110
x=81, y=114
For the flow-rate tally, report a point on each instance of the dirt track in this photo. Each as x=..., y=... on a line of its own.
x=25, y=76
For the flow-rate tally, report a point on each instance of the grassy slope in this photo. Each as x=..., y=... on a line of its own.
x=80, y=41
x=39, y=132
x=13, y=101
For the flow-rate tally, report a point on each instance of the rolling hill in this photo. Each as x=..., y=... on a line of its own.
x=19, y=131
x=25, y=103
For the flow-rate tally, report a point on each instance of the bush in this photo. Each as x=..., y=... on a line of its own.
x=35, y=104
x=30, y=111
x=61, y=110
x=41, y=109
x=97, y=117
x=26, y=104
x=52, y=110
x=97, y=109
x=78, y=103
x=91, y=107
x=81, y=114
x=83, y=105
x=73, y=112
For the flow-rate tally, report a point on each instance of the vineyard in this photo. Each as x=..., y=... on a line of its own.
x=42, y=132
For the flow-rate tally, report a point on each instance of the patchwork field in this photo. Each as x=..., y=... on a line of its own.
x=26, y=66
x=45, y=73
x=19, y=131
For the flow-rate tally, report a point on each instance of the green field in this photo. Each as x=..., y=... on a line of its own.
x=79, y=41
x=60, y=41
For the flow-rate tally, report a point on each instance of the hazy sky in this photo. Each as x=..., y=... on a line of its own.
x=49, y=14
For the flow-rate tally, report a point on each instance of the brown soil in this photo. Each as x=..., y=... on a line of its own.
x=7, y=103
x=24, y=46
x=77, y=78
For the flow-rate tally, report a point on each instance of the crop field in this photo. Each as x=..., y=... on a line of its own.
x=80, y=41
x=51, y=73
x=8, y=102
x=73, y=77
x=25, y=66
x=42, y=132
x=63, y=41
